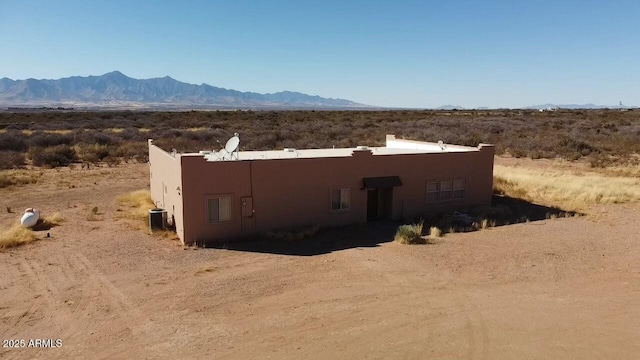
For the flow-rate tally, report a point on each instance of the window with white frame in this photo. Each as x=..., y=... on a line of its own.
x=458, y=189
x=340, y=199
x=433, y=191
x=219, y=209
x=444, y=190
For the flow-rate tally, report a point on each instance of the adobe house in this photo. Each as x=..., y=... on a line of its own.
x=217, y=196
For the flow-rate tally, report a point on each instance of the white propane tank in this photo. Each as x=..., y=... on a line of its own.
x=30, y=217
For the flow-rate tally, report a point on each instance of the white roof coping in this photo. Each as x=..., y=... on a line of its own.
x=394, y=147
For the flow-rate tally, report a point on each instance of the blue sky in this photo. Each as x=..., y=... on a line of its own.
x=388, y=53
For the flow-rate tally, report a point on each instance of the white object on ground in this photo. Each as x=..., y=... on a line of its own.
x=30, y=217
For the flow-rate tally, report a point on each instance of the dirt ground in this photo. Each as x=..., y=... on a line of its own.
x=565, y=288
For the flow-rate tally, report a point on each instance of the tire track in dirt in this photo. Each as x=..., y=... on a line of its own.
x=51, y=284
x=21, y=281
x=39, y=275
x=476, y=334
x=128, y=315
x=49, y=310
x=40, y=302
x=89, y=290
x=111, y=293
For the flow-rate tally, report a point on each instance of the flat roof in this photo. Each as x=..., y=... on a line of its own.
x=336, y=152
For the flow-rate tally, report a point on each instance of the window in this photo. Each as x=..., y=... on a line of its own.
x=445, y=190
x=433, y=191
x=219, y=209
x=458, y=189
x=340, y=199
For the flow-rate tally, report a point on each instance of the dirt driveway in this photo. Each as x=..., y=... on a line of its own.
x=565, y=288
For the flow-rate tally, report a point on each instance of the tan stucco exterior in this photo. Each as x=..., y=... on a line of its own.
x=270, y=194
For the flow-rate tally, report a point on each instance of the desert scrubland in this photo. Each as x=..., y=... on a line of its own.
x=558, y=280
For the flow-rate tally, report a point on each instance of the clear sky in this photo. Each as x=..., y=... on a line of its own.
x=400, y=53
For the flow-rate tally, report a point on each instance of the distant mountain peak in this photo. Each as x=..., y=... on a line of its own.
x=117, y=88
x=114, y=73
x=450, y=107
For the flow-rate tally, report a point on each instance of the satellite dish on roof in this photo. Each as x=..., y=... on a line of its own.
x=232, y=144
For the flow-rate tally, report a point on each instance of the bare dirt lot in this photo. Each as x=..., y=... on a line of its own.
x=564, y=288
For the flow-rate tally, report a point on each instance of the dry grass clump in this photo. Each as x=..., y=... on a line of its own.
x=483, y=224
x=434, y=232
x=165, y=234
x=136, y=205
x=16, y=235
x=565, y=188
x=410, y=234
x=54, y=219
x=18, y=177
x=47, y=222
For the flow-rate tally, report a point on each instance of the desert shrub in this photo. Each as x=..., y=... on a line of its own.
x=132, y=134
x=171, y=134
x=112, y=161
x=472, y=139
x=94, y=137
x=600, y=161
x=13, y=141
x=11, y=159
x=523, y=133
x=16, y=235
x=182, y=144
x=61, y=155
x=40, y=139
x=133, y=151
x=410, y=234
x=574, y=146
x=94, y=152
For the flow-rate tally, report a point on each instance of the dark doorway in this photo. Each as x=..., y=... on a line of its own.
x=379, y=203
x=372, y=204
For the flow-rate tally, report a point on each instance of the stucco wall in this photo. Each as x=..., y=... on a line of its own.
x=296, y=192
x=166, y=184
x=201, y=180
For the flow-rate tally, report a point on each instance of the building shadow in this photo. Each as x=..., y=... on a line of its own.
x=503, y=211
x=522, y=211
x=323, y=242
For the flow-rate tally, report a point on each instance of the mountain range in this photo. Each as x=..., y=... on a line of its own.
x=115, y=89
x=544, y=106
x=577, y=106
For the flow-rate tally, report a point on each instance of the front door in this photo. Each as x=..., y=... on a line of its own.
x=379, y=203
